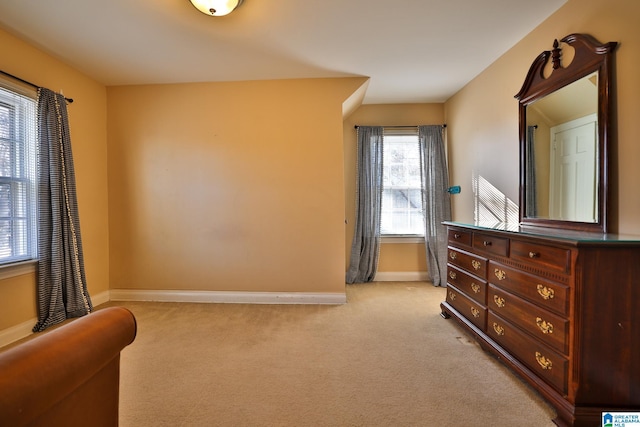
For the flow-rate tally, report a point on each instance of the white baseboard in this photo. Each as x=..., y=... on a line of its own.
x=228, y=297
x=100, y=298
x=17, y=332
x=24, y=329
x=401, y=276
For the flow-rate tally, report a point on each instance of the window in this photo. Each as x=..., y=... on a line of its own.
x=18, y=225
x=402, y=184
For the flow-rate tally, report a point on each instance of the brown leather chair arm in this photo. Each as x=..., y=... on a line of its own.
x=68, y=376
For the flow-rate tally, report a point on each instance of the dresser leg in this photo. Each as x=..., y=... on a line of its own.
x=443, y=312
x=560, y=422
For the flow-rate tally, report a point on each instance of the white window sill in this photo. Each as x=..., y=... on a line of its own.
x=17, y=268
x=401, y=239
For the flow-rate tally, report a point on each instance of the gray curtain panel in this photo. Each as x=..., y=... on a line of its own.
x=366, y=240
x=61, y=288
x=436, y=202
x=530, y=170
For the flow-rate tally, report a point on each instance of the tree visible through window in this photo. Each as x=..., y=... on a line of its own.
x=401, y=213
x=17, y=177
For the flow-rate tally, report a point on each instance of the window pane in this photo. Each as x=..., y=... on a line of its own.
x=396, y=175
x=414, y=177
x=6, y=143
x=5, y=200
x=399, y=199
x=396, y=153
x=18, y=186
x=5, y=122
x=5, y=158
x=387, y=199
x=417, y=222
x=5, y=238
x=402, y=194
x=415, y=199
x=400, y=222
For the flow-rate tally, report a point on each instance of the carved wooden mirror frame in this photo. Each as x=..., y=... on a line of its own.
x=590, y=57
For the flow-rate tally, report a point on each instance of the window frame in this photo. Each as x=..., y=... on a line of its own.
x=402, y=237
x=22, y=158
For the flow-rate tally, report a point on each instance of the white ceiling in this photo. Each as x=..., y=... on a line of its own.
x=413, y=50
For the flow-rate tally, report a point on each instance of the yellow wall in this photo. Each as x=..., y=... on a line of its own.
x=235, y=186
x=87, y=121
x=483, y=117
x=394, y=257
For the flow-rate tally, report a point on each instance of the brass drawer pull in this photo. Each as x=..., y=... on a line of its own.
x=534, y=255
x=452, y=275
x=486, y=243
x=543, y=361
x=456, y=236
x=499, y=301
x=453, y=255
x=452, y=296
x=545, y=327
x=546, y=293
x=499, y=329
x=500, y=274
x=475, y=312
x=475, y=288
x=475, y=264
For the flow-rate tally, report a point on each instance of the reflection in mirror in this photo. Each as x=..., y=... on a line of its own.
x=562, y=153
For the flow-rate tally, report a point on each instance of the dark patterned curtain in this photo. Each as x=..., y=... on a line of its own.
x=366, y=240
x=436, y=201
x=61, y=288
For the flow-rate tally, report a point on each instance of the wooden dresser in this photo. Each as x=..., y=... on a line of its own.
x=561, y=309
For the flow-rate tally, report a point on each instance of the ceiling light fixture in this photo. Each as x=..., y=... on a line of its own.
x=216, y=7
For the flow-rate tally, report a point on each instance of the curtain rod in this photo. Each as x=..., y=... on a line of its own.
x=357, y=126
x=69, y=100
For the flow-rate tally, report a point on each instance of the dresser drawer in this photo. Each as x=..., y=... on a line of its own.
x=472, y=263
x=545, y=293
x=546, y=257
x=546, y=363
x=491, y=244
x=549, y=328
x=459, y=237
x=469, y=308
x=471, y=285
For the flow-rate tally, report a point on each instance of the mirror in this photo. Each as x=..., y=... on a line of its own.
x=564, y=111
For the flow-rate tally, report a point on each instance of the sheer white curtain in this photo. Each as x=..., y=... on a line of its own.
x=366, y=240
x=436, y=200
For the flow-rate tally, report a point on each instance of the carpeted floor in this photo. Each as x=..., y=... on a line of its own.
x=386, y=358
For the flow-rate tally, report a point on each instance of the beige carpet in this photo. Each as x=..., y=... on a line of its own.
x=386, y=358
